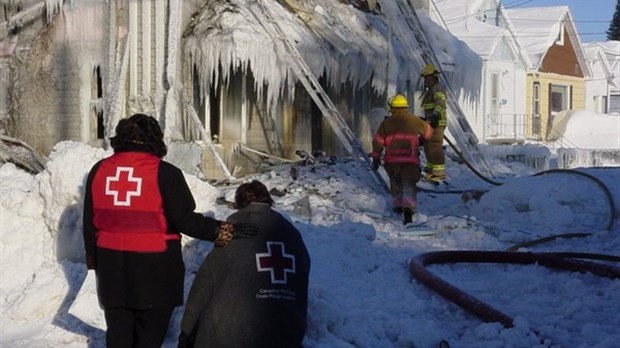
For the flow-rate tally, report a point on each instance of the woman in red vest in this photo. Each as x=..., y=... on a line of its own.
x=135, y=207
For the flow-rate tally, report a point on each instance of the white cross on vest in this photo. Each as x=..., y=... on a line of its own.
x=276, y=261
x=123, y=186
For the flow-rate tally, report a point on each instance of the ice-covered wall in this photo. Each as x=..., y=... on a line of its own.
x=533, y=156
x=335, y=40
x=574, y=158
x=52, y=94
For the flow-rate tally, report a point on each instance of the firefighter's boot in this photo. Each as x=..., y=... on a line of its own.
x=407, y=215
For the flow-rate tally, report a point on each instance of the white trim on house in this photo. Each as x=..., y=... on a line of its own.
x=483, y=26
x=599, y=85
x=530, y=26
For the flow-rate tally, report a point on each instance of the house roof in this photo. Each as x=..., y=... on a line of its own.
x=608, y=54
x=335, y=39
x=459, y=17
x=609, y=47
x=537, y=29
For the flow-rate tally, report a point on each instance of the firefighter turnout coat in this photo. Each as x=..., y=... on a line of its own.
x=399, y=136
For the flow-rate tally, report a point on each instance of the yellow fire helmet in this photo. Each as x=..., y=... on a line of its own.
x=398, y=101
x=429, y=69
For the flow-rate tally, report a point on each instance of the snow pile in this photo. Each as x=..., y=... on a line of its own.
x=588, y=130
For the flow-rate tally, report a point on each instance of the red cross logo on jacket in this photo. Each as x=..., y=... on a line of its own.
x=123, y=186
x=276, y=261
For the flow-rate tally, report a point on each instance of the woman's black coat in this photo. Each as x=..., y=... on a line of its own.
x=148, y=280
x=244, y=295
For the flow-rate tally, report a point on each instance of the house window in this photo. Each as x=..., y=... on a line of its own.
x=536, y=99
x=98, y=109
x=604, y=106
x=560, y=39
x=489, y=12
x=559, y=98
x=614, y=104
x=5, y=73
x=206, y=104
x=495, y=95
x=232, y=119
x=213, y=105
x=536, y=110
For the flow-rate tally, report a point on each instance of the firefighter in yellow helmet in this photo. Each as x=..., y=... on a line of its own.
x=397, y=139
x=434, y=105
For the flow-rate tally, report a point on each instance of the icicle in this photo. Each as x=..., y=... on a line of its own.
x=116, y=90
x=173, y=39
x=172, y=114
x=52, y=8
x=229, y=37
x=79, y=19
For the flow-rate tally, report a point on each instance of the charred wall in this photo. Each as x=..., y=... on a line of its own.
x=53, y=87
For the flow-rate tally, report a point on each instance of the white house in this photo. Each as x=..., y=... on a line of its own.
x=603, y=87
x=497, y=114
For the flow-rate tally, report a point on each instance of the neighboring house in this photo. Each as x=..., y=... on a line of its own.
x=208, y=70
x=498, y=114
x=558, y=67
x=603, y=87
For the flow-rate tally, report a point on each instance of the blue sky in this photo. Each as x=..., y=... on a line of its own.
x=591, y=17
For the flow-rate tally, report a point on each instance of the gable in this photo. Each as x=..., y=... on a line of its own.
x=502, y=52
x=561, y=57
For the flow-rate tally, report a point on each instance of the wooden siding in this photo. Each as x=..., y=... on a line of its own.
x=577, y=98
x=562, y=59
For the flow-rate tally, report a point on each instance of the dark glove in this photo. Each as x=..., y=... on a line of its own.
x=91, y=262
x=435, y=120
x=375, y=164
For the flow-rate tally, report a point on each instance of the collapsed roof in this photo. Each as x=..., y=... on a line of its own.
x=337, y=40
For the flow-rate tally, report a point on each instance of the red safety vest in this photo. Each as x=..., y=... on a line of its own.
x=127, y=205
x=402, y=154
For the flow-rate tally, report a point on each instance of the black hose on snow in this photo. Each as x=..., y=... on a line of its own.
x=610, y=198
x=469, y=165
x=417, y=268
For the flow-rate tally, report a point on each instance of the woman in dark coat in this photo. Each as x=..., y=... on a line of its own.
x=253, y=293
x=135, y=207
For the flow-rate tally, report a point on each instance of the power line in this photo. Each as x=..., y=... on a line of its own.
x=513, y=19
x=520, y=36
x=555, y=20
x=517, y=4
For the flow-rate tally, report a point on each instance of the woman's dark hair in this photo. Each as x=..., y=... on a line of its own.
x=139, y=132
x=250, y=192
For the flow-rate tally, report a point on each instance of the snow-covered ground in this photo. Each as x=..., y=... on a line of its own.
x=361, y=291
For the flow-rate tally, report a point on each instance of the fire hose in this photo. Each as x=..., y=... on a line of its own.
x=608, y=195
x=417, y=268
